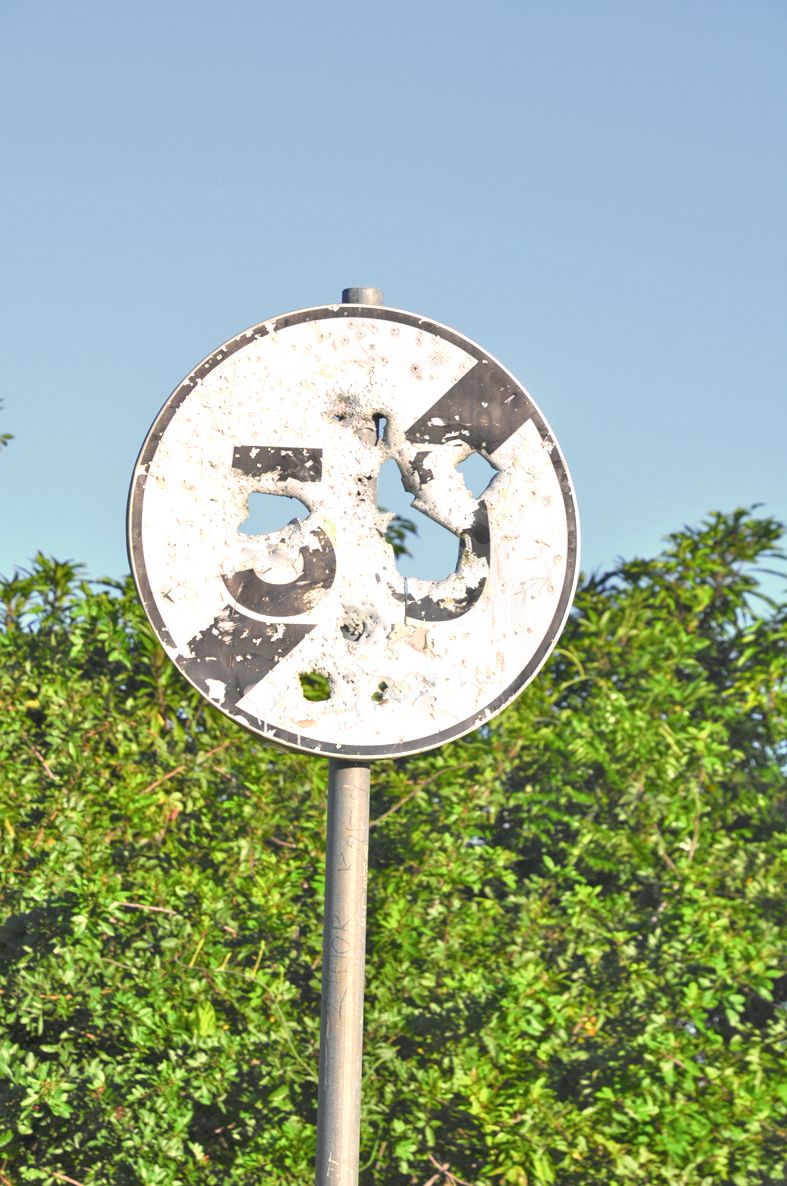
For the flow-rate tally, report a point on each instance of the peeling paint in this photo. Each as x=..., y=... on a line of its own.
x=294, y=407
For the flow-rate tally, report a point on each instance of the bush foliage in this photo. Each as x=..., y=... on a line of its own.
x=575, y=914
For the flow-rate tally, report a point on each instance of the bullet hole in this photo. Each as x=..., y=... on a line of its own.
x=354, y=627
x=379, y=695
x=477, y=473
x=272, y=512
x=315, y=686
x=380, y=427
x=424, y=549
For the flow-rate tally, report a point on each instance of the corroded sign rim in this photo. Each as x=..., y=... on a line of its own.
x=274, y=734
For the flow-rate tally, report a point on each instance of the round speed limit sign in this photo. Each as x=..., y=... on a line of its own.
x=311, y=405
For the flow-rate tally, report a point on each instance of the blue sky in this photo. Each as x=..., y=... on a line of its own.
x=593, y=192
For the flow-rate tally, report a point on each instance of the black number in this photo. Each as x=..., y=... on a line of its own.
x=231, y=655
x=483, y=409
x=318, y=561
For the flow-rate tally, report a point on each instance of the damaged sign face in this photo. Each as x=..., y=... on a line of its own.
x=310, y=406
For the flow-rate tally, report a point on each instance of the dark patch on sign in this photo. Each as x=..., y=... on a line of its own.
x=302, y=465
x=238, y=652
x=420, y=468
x=296, y=597
x=484, y=409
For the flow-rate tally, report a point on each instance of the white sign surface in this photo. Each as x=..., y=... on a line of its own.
x=311, y=405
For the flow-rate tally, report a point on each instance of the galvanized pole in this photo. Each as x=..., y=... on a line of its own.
x=343, y=950
x=343, y=958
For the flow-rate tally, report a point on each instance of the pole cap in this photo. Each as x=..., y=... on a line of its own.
x=362, y=296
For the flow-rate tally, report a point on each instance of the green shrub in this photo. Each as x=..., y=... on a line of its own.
x=575, y=915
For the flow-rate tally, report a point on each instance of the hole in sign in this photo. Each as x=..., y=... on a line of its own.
x=315, y=686
x=382, y=688
x=423, y=547
x=380, y=426
x=272, y=512
x=477, y=473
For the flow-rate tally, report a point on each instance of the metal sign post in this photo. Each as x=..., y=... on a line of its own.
x=343, y=951
x=343, y=964
x=309, y=406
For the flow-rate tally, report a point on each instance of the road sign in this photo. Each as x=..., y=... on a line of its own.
x=310, y=405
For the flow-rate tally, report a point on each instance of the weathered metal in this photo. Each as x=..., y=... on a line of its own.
x=362, y=296
x=310, y=405
x=343, y=962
